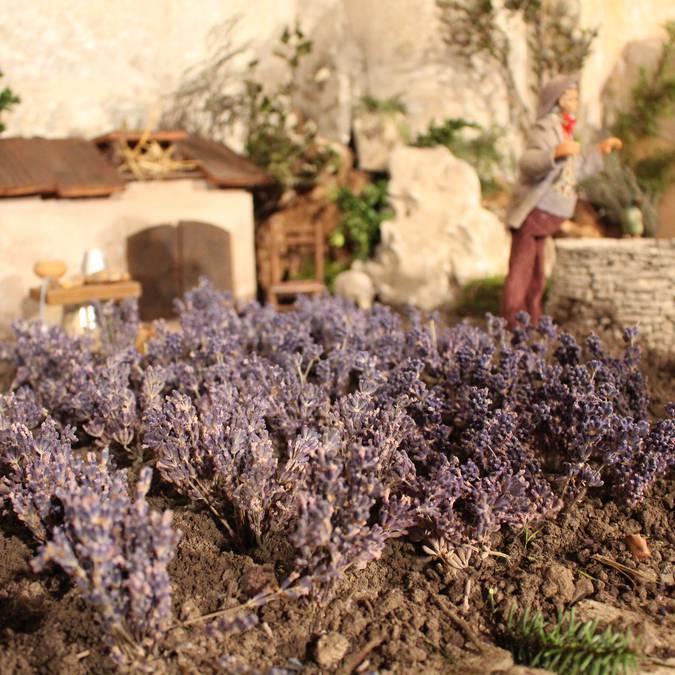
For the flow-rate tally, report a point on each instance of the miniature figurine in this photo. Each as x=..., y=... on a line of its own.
x=550, y=169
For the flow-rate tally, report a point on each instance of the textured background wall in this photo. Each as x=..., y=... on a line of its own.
x=620, y=22
x=86, y=66
x=614, y=283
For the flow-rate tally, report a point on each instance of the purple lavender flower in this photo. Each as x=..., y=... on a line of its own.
x=117, y=552
x=37, y=466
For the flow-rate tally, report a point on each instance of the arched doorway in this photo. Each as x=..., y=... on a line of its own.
x=169, y=259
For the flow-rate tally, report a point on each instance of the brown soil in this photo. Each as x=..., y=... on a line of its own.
x=405, y=613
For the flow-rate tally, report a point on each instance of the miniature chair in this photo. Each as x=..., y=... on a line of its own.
x=286, y=241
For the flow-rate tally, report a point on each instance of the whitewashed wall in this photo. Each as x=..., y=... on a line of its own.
x=34, y=229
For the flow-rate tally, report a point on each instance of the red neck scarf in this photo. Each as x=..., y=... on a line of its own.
x=568, y=122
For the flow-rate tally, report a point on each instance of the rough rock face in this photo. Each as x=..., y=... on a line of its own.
x=441, y=236
x=106, y=65
x=376, y=137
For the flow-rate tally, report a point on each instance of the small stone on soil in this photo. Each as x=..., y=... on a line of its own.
x=560, y=583
x=583, y=588
x=331, y=649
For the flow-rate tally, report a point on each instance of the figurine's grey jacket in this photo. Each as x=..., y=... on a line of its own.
x=539, y=169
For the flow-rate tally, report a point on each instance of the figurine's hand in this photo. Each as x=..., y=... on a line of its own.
x=609, y=144
x=568, y=148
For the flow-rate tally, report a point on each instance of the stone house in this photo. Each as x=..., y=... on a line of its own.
x=61, y=197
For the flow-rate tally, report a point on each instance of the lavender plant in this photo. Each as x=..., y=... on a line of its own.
x=219, y=454
x=117, y=552
x=36, y=465
x=346, y=516
x=344, y=428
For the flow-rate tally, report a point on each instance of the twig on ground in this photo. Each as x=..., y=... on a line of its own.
x=444, y=604
x=467, y=592
x=628, y=571
x=352, y=663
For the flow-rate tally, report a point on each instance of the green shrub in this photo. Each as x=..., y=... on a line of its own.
x=615, y=189
x=362, y=215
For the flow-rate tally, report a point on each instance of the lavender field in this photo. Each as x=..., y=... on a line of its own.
x=322, y=490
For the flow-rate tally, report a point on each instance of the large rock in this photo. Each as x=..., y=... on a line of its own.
x=441, y=237
x=376, y=135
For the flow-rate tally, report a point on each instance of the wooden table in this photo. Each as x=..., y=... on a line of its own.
x=79, y=295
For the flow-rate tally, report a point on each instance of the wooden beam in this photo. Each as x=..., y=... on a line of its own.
x=78, y=295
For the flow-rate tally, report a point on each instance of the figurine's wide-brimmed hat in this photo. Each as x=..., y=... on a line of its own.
x=553, y=90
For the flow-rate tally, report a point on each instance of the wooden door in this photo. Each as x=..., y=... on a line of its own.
x=169, y=260
x=204, y=252
x=153, y=258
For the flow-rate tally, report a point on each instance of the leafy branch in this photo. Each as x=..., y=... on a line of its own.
x=362, y=215
x=653, y=97
x=556, y=42
x=217, y=97
x=569, y=646
x=8, y=99
x=472, y=29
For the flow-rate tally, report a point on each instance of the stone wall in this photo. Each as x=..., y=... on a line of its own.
x=609, y=284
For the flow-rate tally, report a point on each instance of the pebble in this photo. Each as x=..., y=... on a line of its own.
x=331, y=649
x=562, y=579
x=583, y=588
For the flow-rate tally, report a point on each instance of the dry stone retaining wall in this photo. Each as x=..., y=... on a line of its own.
x=608, y=284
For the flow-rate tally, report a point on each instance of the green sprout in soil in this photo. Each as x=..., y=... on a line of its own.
x=529, y=536
x=491, y=599
x=569, y=646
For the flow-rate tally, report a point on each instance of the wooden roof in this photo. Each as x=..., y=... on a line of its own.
x=220, y=165
x=75, y=167
x=67, y=167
